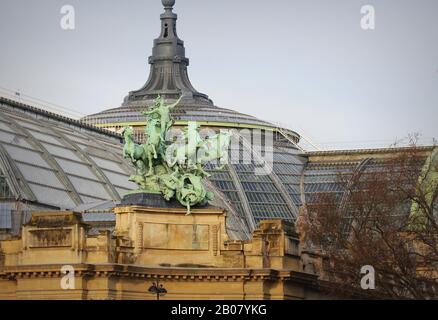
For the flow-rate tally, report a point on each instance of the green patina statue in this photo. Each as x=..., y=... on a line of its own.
x=174, y=169
x=162, y=111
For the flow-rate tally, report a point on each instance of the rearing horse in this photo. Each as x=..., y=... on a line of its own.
x=132, y=150
x=135, y=153
x=153, y=136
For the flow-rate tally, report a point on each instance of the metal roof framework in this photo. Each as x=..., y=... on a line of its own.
x=47, y=162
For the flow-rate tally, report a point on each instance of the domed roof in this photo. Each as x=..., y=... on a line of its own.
x=169, y=78
x=185, y=111
x=50, y=161
x=275, y=194
x=82, y=167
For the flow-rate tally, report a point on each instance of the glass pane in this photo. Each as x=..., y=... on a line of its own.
x=27, y=156
x=5, y=191
x=44, y=137
x=78, y=139
x=290, y=179
x=63, y=130
x=53, y=197
x=76, y=168
x=61, y=152
x=5, y=127
x=225, y=185
x=122, y=192
x=5, y=216
x=120, y=180
x=90, y=188
x=29, y=125
x=40, y=176
x=14, y=139
x=86, y=199
x=107, y=164
x=260, y=187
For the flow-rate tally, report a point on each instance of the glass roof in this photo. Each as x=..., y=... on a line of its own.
x=182, y=112
x=323, y=177
x=5, y=190
x=5, y=216
x=61, y=166
x=67, y=167
x=54, y=163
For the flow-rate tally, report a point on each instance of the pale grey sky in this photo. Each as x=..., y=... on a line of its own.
x=304, y=63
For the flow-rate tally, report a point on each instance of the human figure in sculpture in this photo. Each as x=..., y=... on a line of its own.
x=153, y=140
x=163, y=112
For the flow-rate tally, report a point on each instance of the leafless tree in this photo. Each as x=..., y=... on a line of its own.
x=383, y=218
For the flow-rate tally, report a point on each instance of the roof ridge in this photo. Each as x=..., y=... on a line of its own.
x=55, y=116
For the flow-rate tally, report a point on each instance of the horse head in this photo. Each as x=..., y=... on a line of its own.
x=128, y=132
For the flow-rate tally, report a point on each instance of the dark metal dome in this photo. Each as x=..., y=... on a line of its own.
x=276, y=194
x=47, y=160
x=169, y=78
x=168, y=75
x=131, y=113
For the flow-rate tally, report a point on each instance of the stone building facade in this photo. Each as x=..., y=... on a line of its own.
x=62, y=182
x=190, y=255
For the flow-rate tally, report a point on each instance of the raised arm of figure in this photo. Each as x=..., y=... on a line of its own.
x=175, y=104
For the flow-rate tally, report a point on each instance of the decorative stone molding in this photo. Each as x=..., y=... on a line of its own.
x=47, y=238
x=184, y=252
x=215, y=240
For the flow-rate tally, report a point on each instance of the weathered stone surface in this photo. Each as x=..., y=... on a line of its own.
x=192, y=256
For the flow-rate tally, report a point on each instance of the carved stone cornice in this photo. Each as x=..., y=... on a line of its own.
x=57, y=219
x=174, y=274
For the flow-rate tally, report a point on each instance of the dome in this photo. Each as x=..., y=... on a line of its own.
x=184, y=112
x=273, y=194
x=51, y=162
x=168, y=77
x=289, y=180
x=48, y=161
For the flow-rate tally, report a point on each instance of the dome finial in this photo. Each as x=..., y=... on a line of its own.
x=168, y=4
x=168, y=73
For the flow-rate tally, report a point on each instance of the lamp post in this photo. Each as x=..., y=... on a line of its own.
x=157, y=289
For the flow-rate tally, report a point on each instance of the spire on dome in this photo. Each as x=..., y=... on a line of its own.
x=168, y=73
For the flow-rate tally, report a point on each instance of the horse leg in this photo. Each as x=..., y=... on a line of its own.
x=150, y=172
x=224, y=156
x=202, y=171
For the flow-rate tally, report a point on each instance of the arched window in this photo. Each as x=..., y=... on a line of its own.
x=166, y=30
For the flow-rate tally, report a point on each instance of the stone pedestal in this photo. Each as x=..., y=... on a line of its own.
x=191, y=255
x=165, y=235
x=58, y=236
